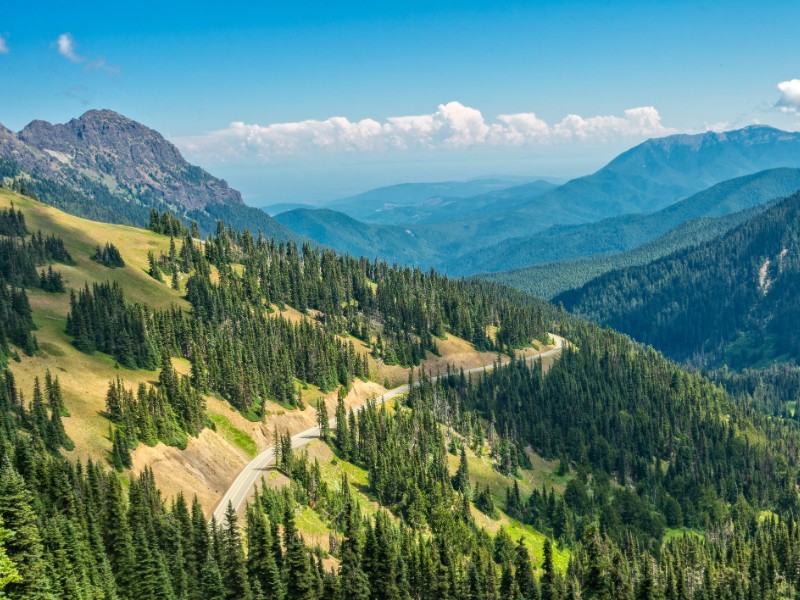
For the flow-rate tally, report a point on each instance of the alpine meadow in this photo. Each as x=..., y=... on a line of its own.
x=407, y=301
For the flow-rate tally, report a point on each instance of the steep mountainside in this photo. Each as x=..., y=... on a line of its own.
x=551, y=279
x=104, y=165
x=660, y=171
x=628, y=233
x=731, y=300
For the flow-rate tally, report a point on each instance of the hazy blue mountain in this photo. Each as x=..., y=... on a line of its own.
x=427, y=202
x=619, y=234
x=345, y=234
x=731, y=300
x=281, y=207
x=440, y=210
x=527, y=224
x=660, y=171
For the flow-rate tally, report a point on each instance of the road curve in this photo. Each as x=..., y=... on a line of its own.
x=240, y=489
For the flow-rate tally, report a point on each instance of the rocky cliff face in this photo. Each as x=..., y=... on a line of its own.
x=126, y=156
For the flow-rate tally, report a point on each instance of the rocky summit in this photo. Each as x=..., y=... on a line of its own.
x=127, y=157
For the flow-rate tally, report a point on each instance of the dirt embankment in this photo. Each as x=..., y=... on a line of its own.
x=210, y=463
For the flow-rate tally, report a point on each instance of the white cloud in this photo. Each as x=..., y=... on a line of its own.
x=451, y=126
x=66, y=48
x=3, y=45
x=790, y=96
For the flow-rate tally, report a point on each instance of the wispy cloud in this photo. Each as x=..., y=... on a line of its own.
x=790, y=96
x=451, y=126
x=67, y=47
x=3, y=45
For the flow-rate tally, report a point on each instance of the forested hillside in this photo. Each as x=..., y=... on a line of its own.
x=732, y=300
x=610, y=473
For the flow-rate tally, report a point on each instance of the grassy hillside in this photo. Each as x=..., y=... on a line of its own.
x=85, y=378
x=211, y=460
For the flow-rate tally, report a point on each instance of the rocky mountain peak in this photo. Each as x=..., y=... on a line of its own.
x=109, y=147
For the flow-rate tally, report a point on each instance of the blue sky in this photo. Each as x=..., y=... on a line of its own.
x=315, y=100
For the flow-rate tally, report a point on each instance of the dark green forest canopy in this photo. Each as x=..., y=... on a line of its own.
x=144, y=548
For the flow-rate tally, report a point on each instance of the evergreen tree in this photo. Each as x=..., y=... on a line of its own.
x=8, y=570
x=353, y=581
x=261, y=566
x=523, y=572
x=24, y=548
x=342, y=439
x=323, y=419
x=547, y=582
x=233, y=567
x=299, y=581
x=461, y=478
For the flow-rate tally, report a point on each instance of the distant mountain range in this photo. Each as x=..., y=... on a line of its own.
x=417, y=203
x=627, y=232
x=660, y=171
x=732, y=300
x=104, y=165
x=536, y=223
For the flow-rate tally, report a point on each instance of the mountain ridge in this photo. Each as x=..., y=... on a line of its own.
x=105, y=166
x=626, y=232
x=104, y=142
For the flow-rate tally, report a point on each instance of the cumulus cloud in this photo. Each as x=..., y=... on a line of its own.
x=3, y=45
x=451, y=126
x=790, y=96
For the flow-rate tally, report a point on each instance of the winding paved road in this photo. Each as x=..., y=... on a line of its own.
x=241, y=488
